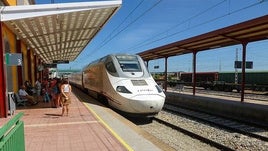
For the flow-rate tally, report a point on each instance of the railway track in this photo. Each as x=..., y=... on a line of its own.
x=203, y=128
x=223, y=134
x=254, y=131
x=217, y=132
x=193, y=135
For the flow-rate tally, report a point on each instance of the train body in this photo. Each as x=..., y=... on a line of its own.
x=124, y=81
x=224, y=81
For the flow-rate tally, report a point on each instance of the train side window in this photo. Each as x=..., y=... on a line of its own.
x=110, y=67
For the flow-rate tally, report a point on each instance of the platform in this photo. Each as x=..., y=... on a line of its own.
x=89, y=126
x=253, y=111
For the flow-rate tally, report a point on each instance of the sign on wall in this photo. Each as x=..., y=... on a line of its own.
x=14, y=59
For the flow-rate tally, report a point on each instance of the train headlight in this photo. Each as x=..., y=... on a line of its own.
x=158, y=89
x=122, y=89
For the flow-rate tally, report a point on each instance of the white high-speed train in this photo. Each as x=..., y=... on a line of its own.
x=124, y=81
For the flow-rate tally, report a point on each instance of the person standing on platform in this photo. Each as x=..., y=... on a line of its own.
x=38, y=88
x=58, y=102
x=66, y=90
x=55, y=92
x=52, y=92
x=45, y=94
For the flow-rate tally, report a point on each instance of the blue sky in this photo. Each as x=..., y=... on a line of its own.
x=140, y=25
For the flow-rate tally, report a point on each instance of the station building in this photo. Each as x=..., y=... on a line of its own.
x=26, y=68
x=33, y=37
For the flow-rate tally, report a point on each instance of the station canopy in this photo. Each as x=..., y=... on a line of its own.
x=58, y=32
x=249, y=31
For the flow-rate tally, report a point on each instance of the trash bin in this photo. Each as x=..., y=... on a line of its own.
x=11, y=103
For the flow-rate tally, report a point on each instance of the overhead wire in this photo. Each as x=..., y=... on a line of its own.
x=123, y=21
x=208, y=21
x=180, y=23
x=235, y=11
x=146, y=42
x=136, y=19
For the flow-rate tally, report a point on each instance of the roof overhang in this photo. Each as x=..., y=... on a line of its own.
x=245, y=32
x=58, y=31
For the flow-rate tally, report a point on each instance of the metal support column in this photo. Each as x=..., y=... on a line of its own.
x=244, y=44
x=194, y=72
x=29, y=65
x=35, y=68
x=165, y=85
x=3, y=94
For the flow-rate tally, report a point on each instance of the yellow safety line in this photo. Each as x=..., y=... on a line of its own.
x=110, y=129
x=57, y=124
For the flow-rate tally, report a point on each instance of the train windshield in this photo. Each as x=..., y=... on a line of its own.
x=129, y=63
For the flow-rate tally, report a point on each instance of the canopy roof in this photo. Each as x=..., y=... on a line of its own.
x=58, y=32
x=249, y=31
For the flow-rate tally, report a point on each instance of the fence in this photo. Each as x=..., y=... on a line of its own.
x=12, y=135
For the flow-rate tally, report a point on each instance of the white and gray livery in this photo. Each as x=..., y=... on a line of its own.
x=125, y=83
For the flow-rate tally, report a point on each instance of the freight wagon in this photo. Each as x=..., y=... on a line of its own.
x=257, y=80
x=225, y=81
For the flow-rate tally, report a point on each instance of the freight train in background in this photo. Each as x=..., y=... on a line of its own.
x=219, y=81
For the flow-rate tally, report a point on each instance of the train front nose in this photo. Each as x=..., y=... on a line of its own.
x=152, y=103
